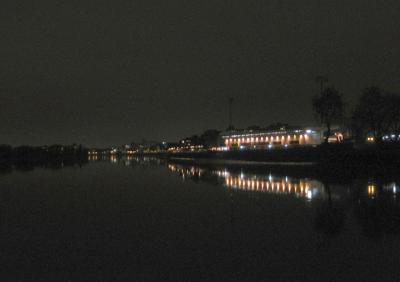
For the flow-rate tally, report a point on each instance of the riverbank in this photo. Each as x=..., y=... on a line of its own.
x=328, y=160
x=28, y=157
x=345, y=155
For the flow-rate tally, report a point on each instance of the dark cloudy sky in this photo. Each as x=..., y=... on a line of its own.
x=109, y=72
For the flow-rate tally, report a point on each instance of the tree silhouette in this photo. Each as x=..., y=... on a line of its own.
x=210, y=138
x=329, y=108
x=393, y=113
x=370, y=113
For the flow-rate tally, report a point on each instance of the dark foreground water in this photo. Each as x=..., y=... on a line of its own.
x=146, y=220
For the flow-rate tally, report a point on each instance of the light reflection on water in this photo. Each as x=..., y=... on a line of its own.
x=372, y=202
x=372, y=199
x=154, y=219
x=260, y=182
x=267, y=183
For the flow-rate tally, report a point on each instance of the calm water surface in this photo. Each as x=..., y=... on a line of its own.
x=148, y=220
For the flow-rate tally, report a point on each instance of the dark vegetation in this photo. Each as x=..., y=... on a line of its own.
x=329, y=108
x=377, y=113
x=28, y=157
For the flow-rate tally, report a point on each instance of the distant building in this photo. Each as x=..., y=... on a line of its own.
x=261, y=139
x=193, y=143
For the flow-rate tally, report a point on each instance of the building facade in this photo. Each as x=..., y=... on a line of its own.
x=260, y=139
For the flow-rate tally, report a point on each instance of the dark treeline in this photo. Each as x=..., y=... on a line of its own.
x=376, y=114
x=54, y=156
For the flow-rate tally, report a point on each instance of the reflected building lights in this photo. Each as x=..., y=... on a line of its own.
x=113, y=159
x=93, y=158
x=371, y=190
x=185, y=172
x=304, y=188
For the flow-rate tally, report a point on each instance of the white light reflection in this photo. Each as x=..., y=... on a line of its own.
x=302, y=188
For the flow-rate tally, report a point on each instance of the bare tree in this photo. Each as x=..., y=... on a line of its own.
x=329, y=108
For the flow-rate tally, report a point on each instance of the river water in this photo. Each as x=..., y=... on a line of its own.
x=152, y=220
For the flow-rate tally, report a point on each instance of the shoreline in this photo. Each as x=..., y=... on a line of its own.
x=324, y=154
x=239, y=162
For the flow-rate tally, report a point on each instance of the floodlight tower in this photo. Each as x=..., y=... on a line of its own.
x=321, y=79
x=230, y=103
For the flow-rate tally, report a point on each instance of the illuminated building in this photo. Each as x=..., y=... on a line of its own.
x=261, y=139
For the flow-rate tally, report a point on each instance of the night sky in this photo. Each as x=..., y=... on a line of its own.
x=110, y=72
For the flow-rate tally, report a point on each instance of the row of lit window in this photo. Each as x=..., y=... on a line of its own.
x=266, y=139
x=270, y=133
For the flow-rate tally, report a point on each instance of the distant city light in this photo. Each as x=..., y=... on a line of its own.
x=309, y=194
